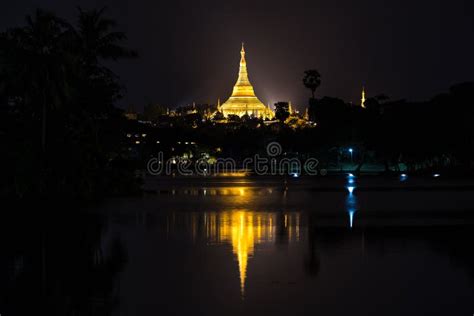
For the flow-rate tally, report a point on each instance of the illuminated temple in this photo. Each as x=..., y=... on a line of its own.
x=243, y=100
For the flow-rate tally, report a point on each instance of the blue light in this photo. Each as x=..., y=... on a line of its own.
x=350, y=181
x=350, y=175
x=351, y=205
x=351, y=150
x=351, y=218
x=403, y=177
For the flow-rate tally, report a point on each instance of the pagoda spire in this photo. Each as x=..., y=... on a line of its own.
x=243, y=99
x=243, y=78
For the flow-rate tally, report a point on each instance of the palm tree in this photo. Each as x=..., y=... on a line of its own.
x=312, y=80
x=52, y=74
x=34, y=62
x=96, y=41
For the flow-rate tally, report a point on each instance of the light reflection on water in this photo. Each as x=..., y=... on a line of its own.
x=225, y=191
x=244, y=231
x=351, y=200
x=246, y=249
x=281, y=252
x=248, y=245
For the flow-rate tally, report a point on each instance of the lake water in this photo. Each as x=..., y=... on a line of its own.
x=342, y=246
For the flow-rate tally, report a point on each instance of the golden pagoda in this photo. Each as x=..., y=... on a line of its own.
x=243, y=100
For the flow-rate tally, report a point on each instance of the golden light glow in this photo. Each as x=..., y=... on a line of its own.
x=244, y=230
x=233, y=174
x=362, y=100
x=243, y=100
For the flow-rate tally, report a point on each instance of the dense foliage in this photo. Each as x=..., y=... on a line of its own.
x=57, y=105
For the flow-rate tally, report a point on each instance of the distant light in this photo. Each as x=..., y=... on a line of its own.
x=129, y=135
x=350, y=175
x=295, y=175
x=137, y=142
x=351, y=181
x=350, y=189
x=436, y=175
x=157, y=141
x=351, y=218
x=351, y=150
x=186, y=143
x=403, y=177
x=143, y=135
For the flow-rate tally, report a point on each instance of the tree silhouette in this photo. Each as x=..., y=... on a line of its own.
x=95, y=40
x=282, y=111
x=218, y=116
x=36, y=65
x=312, y=80
x=54, y=84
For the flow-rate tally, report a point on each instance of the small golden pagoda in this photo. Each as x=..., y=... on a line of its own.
x=243, y=100
x=362, y=100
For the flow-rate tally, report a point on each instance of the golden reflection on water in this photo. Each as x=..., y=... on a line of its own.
x=244, y=230
x=244, y=193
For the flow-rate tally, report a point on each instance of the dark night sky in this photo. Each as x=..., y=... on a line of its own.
x=189, y=50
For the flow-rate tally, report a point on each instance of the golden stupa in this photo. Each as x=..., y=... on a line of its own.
x=243, y=100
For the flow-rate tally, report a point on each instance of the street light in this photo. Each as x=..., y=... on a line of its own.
x=351, y=151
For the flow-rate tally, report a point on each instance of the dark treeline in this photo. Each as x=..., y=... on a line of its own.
x=58, y=120
x=436, y=135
